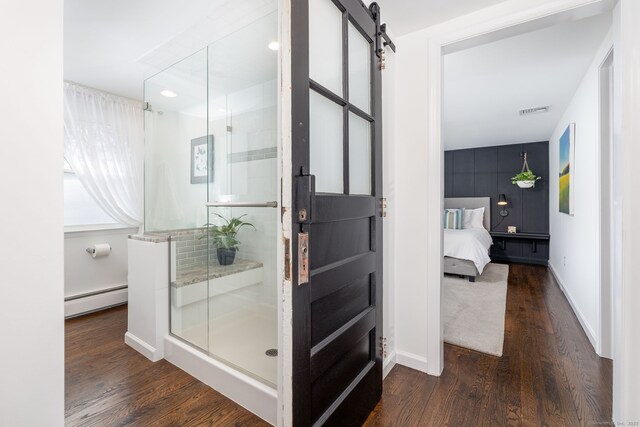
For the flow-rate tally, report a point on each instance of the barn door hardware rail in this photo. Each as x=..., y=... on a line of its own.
x=382, y=38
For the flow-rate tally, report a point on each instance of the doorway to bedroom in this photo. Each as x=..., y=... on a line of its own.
x=528, y=216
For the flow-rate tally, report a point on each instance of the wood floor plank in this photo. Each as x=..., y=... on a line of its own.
x=549, y=374
x=109, y=384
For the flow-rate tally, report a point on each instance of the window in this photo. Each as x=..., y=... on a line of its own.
x=79, y=207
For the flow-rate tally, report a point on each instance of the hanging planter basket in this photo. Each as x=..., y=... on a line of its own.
x=526, y=178
x=526, y=184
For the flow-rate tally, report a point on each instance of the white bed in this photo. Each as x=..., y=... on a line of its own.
x=466, y=251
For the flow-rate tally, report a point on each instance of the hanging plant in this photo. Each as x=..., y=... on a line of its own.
x=526, y=178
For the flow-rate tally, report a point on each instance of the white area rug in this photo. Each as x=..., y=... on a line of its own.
x=473, y=313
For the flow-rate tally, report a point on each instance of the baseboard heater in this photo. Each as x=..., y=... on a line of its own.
x=77, y=305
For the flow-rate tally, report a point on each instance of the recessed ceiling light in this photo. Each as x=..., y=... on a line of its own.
x=274, y=45
x=168, y=93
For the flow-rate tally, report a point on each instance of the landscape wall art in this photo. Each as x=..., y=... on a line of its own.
x=566, y=179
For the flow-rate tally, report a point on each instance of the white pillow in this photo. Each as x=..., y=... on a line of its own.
x=473, y=218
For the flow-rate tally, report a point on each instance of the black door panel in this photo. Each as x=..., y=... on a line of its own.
x=337, y=308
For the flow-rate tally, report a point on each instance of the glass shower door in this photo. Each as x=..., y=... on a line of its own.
x=242, y=195
x=211, y=187
x=176, y=129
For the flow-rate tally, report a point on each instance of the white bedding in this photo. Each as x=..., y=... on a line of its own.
x=470, y=243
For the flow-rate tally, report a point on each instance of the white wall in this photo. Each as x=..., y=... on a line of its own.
x=418, y=79
x=409, y=206
x=31, y=214
x=574, y=253
x=626, y=377
x=389, y=223
x=84, y=274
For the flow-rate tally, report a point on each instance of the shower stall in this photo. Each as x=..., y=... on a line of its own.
x=211, y=174
x=259, y=271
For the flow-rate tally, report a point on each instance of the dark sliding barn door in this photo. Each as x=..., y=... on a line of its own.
x=337, y=168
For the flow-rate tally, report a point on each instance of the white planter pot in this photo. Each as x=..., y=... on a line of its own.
x=526, y=184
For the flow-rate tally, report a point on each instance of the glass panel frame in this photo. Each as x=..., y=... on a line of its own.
x=326, y=143
x=360, y=155
x=349, y=25
x=359, y=77
x=326, y=51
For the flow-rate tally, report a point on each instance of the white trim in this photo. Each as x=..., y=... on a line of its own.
x=412, y=361
x=504, y=18
x=604, y=304
x=388, y=364
x=247, y=392
x=285, y=231
x=585, y=326
x=85, y=230
x=142, y=347
x=626, y=370
x=89, y=303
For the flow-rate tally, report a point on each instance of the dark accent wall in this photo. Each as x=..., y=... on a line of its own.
x=487, y=172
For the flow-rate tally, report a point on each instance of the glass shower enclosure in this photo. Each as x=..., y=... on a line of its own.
x=211, y=184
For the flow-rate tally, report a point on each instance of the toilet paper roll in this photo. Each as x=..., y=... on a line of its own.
x=101, y=250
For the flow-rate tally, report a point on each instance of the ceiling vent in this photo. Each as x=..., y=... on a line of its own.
x=537, y=110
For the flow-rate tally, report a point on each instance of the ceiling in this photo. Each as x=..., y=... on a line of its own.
x=486, y=86
x=115, y=45
x=406, y=16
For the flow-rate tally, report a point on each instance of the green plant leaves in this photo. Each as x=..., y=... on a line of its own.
x=525, y=176
x=224, y=236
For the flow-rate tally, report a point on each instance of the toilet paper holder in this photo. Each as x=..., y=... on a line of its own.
x=92, y=251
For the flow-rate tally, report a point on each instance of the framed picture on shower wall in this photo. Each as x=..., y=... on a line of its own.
x=202, y=166
x=567, y=165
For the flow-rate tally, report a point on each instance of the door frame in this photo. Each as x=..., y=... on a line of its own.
x=513, y=19
x=285, y=273
x=606, y=230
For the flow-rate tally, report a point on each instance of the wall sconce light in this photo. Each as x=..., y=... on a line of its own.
x=502, y=201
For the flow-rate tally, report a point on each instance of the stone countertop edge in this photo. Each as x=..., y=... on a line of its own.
x=163, y=236
x=200, y=275
x=153, y=238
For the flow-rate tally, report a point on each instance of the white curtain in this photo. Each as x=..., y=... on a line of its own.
x=104, y=144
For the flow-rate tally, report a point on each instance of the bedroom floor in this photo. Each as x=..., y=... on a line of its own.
x=548, y=375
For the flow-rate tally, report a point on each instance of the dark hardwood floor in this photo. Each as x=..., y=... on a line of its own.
x=109, y=384
x=549, y=375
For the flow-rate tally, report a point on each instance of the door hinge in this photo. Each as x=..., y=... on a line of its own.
x=382, y=346
x=303, y=258
x=383, y=207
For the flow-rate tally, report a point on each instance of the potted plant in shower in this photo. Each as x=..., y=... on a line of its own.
x=224, y=237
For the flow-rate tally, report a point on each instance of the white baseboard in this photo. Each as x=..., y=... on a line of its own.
x=249, y=393
x=388, y=364
x=412, y=361
x=141, y=347
x=585, y=326
x=94, y=302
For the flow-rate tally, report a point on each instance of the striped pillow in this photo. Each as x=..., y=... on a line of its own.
x=453, y=219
